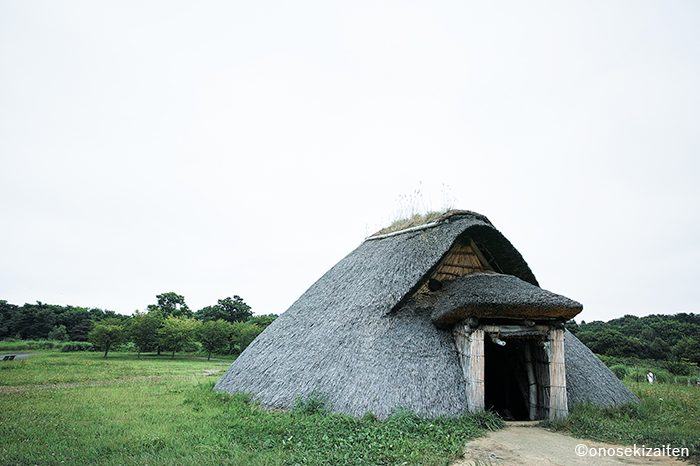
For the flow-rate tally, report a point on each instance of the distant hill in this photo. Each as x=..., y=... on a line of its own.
x=662, y=337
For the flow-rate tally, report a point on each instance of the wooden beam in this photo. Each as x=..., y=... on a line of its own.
x=449, y=274
x=558, y=403
x=484, y=263
x=459, y=266
x=517, y=330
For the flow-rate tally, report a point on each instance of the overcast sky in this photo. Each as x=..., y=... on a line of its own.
x=219, y=148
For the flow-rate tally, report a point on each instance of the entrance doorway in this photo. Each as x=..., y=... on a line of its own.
x=516, y=378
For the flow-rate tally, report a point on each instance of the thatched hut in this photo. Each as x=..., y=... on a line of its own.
x=440, y=319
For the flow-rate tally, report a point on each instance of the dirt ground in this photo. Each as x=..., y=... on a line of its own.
x=526, y=444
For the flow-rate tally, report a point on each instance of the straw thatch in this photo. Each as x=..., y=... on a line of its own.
x=498, y=295
x=589, y=380
x=363, y=339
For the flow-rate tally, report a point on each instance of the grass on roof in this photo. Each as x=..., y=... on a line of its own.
x=413, y=221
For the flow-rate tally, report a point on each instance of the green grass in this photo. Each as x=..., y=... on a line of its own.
x=24, y=345
x=57, y=368
x=174, y=417
x=667, y=414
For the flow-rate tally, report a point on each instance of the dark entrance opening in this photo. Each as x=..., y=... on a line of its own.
x=514, y=380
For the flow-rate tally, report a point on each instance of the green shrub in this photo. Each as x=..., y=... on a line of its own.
x=639, y=374
x=681, y=367
x=403, y=419
x=242, y=335
x=369, y=417
x=126, y=347
x=488, y=420
x=312, y=404
x=18, y=345
x=620, y=371
x=637, y=368
x=59, y=332
x=77, y=346
x=193, y=347
x=663, y=376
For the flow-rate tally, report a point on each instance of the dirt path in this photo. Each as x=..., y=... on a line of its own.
x=525, y=444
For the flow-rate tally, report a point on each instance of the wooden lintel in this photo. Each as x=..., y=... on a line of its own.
x=517, y=330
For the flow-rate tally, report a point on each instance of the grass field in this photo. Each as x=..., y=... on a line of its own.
x=38, y=345
x=78, y=408
x=667, y=414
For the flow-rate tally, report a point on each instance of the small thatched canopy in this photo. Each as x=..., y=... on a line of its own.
x=498, y=295
x=362, y=336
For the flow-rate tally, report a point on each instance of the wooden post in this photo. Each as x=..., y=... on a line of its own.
x=558, y=407
x=531, y=383
x=542, y=377
x=470, y=347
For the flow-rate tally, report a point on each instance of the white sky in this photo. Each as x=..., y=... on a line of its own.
x=220, y=148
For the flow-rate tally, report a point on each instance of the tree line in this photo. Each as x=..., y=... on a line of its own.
x=660, y=337
x=169, y=325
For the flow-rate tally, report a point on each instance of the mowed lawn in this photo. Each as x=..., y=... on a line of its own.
x=78, y=408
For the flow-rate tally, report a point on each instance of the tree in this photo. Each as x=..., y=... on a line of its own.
x=571, y=326
x=210, y=313
x=8, y=315
x=687, y=348
x=214, y=335
x=232, y=309
x=242, y=334
x=176, y=332
x=106, y=334
x=657, y=336
x=77, y=320
x=171, y=304
x=262, y=321
x=144, y=330
x=235, y=308
x=34, y=321
x=58, y=333
x=659, y=349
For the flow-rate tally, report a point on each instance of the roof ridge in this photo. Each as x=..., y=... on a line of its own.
x=444, y=218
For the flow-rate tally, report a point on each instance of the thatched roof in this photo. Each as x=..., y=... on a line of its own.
x=589, y=380
x=358, y=336
x=498, y=295
x=414, y=221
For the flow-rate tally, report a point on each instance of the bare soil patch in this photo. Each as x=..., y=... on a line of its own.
x=526, y=444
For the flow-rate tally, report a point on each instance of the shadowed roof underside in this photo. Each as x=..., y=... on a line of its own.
x=357, y=337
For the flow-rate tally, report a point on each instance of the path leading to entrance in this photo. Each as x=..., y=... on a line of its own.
x=525, y=444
